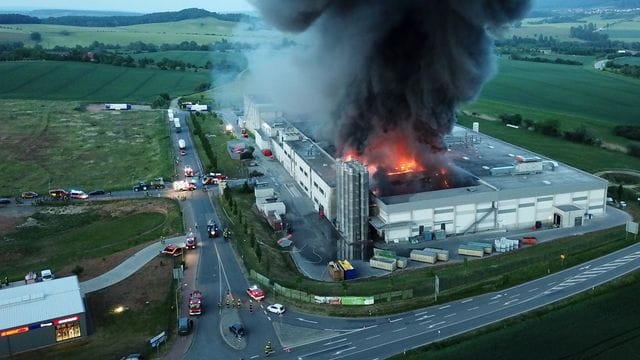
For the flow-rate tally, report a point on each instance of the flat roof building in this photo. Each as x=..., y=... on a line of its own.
x=41, y=314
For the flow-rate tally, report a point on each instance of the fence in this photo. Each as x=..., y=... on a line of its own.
x=344, y=300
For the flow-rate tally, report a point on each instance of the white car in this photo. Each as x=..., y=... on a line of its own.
x=276, y=308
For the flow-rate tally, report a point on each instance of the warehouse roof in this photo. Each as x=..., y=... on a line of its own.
x=23, y=305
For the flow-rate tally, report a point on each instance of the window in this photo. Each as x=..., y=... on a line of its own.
x=68, y=331
x=315, y=184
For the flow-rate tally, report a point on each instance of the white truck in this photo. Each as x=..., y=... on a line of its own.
x=176, y=124
x=182, y=144
x=117, y=106
x=46, y=275
x=182, y=185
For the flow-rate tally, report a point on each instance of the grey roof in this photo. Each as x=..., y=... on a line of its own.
x=476, y=154
x=569, y=208
x=317, y=159
x=47, y=300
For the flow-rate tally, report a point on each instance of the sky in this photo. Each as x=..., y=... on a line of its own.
x=143, y=6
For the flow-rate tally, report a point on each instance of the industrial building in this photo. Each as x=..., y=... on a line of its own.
x=41, y=314
x=483, y=184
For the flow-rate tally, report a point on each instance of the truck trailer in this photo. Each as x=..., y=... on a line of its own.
x=176, y=124
x=117, y=106
x=182, y=144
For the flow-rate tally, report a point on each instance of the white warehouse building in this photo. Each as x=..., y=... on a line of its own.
x=506, y=187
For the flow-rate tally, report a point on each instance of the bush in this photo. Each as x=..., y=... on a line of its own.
x=633, y=150
x=511, y=119
x=580, y=135
x=77, y=270
x=630, y=132
x=550, y=127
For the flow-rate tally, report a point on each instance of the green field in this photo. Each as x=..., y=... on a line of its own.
x=629, y=60
x=66, y=80
x=619, y=29
x=202, y=31
x=63, y=235
x=48, y=143
x=599, y=325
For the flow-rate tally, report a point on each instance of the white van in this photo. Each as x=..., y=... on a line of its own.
x=78, y=194
x=46, y=275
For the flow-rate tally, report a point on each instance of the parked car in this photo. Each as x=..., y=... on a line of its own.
x=97, y=192
x=58, y=193
x=29, y=195
x=140, y=186
x=276, y=309
x=5, y=201
x=237, y=329
x=78, y=194
x=173, y=250
x=184, y=325
x=529, y=240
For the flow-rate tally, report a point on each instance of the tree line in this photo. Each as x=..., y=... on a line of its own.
x=113, y=21
x=561, y=61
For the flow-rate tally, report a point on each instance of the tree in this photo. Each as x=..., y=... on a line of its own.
x=36, y=36
x=620, y=192
x=259, y=253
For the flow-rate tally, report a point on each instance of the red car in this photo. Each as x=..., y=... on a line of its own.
x=244, y=133
x=529, y=240
x=173, y=250
x=255, y=293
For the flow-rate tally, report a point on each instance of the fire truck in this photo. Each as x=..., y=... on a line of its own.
x=213, y=178
x=195, y=303
x=188, y=171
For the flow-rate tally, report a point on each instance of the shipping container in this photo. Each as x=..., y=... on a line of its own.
x=488, y=248
x=335, y=271
x=470, y=250
x=423, y=256
x=349, y=271
x=383, y=263
x=442, y=254
x=401, y=262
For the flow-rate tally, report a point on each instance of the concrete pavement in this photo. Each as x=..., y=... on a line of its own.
x=127, y=267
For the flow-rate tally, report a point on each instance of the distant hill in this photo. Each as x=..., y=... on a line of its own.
x=121, y=20
x=571, y=4
x=46, y=13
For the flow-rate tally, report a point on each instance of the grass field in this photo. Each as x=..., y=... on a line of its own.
x=629, y=60
x=202, y=31
x=63, y=235
x=601, y=324
x=48, y=143
x=619, y=29
x=65, y=80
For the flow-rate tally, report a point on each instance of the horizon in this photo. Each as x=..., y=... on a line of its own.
x=127, y=6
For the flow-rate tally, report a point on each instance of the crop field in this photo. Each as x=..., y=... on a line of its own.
x=202, y=31
x=65, y=80
x=602, y=326
x=57, y=144
x=629, y=60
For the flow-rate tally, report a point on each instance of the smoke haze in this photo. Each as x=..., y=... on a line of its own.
x=376, y=67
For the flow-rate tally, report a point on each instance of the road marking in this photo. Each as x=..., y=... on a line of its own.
x=511, y=301
x=436, y=324
x=341, y=351
x=323, y=350
x=394, y=320
x=551, y=283
x=444, y=307
x=307, y=321
x=420, y=313
x=335, y=342
x=585, y=267
x=466, y=301
x=496, y=297
x=474, y=308
x=450, y=315
x=425, y=322
x=372, y=337
x=512, y=296
x=534, y=289
x=424, y=317
x=494, y=302
x=396, y=330
x=255, y=356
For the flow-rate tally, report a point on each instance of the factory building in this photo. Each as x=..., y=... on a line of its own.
x=493, y=186
x=353, y=210
x=41, y=314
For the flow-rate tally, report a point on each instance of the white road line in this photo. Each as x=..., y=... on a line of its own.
x=494, y=302
x=512, y=296
x=436, y=324
x=424, y=317
x=425, y=322
x=450, y=315
x=372, y=337
x=474, y=308
x=334, y=342
x=394, y=320
x=396, y=330
x=595, y=272
x=341, y=351
x=466, y=301
x=307, y=321
x=255, y=356
x=551, y=283
x=444, y=307
x=534, y=289
x=420, y=313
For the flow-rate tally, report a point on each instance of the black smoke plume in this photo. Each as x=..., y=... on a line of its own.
x=403, y=65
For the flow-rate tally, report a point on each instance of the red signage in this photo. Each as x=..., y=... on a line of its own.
x=15, y=331
x=66, y=320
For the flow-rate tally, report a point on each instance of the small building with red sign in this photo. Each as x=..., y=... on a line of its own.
x=41, y=314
